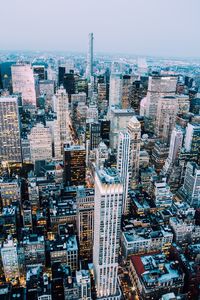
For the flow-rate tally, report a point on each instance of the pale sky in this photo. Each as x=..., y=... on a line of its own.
x=141, y=27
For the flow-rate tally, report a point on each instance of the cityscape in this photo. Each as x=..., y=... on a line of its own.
x=99, y=175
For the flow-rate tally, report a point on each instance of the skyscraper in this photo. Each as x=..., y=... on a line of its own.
x=191, y=186
x=23, y=82
x=89, y=68
x=40, y=143
x=107, y=219
x=61, y=108
x=85, y=221
x=10, y=149
x=134, y=129
x=74, y=165
x=115, y=92
x=123, y=164
x=175, y=147
x=192, y=141
x=158, y=86
x=167, y=110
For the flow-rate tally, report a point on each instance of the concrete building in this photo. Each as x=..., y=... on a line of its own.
x=119, y=119
x=10, y=261
x=134, y=130
x=10, y=149
x=167, y=110
x=40, y=143
x=89, y=68
x=85, y=221
x=191, y=185
x=23, y=82
x=107, y=220
x=115, y=92
x=158, y=86
x=124, y=165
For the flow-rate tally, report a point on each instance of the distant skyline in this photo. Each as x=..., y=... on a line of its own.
x=137, y=27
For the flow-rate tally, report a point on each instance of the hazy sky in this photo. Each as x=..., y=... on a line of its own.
x=154, y=27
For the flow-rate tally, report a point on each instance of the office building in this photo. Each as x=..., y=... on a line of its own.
x=191, y=186
x=40, y=143
x=62, y=126
x=74, y=165
x=10, y=149
x=167, y=110
x=115, y=90
x=175, y=147
x=119, y=119
x=46, y=88
x=85, y=222
x=158, y=86
x=23, y=82
x=192, y=141
x=107, y=220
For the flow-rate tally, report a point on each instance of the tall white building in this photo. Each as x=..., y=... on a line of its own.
x=63, y=121
x=40, y=143
x=191, y=186
x=89, y=68
x=192, y=137
x=107, y=219
x=119, y=119
x=175, y=147
x=167, y=110
x=23, y=82
x=123, y=165
x=10, y=260
x=134, y=130
x=10, y=145
x=158, y=86
x=115, y=92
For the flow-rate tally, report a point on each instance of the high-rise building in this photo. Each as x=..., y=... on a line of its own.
x=123, y=165
x=175, y=147
x=40, y=69
x=158, y=86
x=85, y=221
x=126, y=84
x=107, y=220
x=89, y=68
x=115, y=91
x=74, y=165
x=40, y=143
x=119, y=119
x=69, y=83
x=10, y=149
x=191, y=186
x=62, y=126
x=23, y=82
x=10, y=261
x=46, y=88
x=192, y=140
x=5, y=75
x=134, y=130
x=94, y=134
x=61, y=73
x=167, y=110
